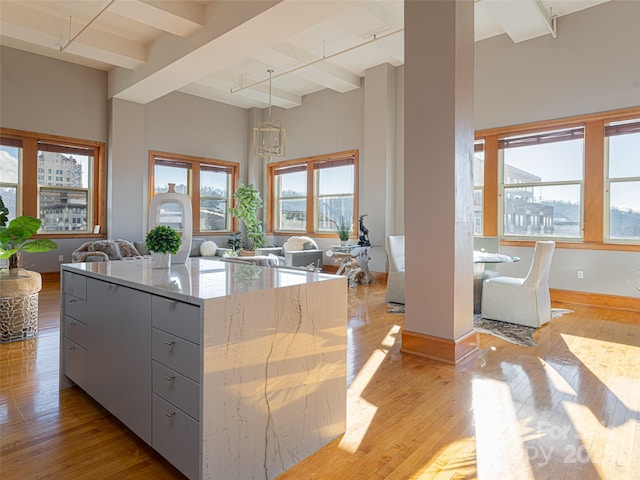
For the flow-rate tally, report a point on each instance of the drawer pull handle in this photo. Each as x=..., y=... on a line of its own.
x=72, y=300
x=72, y=348
x=170, y=379
x=71, y=324
x=170, y=302
x=169, y=414
x=170, y=344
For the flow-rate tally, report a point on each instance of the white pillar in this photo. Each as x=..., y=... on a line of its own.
x=377, y=159
x=438, y=142
x=128, y=161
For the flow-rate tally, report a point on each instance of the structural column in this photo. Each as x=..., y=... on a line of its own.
x=376, y=163
x=438, y=198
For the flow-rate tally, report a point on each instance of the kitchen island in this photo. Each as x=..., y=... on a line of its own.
x=227, y=370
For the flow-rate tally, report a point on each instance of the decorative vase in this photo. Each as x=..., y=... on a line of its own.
x=343, y=243
x=174, y=210
x=160, y=260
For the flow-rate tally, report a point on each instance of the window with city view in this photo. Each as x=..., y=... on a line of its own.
x=51, y=178
x=623, y=180
x=478, y=187
x=542, y=181
x=310, y=195
x=209, y=183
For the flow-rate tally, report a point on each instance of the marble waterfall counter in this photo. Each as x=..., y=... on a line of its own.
x=227, y=370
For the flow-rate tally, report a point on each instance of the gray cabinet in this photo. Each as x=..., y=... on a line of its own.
x=119, y=353
x=74, y=328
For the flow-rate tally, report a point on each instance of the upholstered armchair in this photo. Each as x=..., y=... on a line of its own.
x=395, y=278
x=523, y=301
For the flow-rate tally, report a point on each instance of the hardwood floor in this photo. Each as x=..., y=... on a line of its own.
x=569, y=408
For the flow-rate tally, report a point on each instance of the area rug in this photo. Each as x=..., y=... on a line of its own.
x=518, y=334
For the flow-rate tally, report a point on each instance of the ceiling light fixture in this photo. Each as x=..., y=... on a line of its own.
x=269, y=138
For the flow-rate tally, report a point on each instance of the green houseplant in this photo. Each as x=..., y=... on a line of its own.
x=248, y=201
x=14, y=238
x=162, y=242
x=343, y=227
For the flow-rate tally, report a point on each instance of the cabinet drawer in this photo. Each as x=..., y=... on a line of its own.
x=176, y=353
x=177, y=389
x=75, y=284
x=75, y=307
x=75, y=363
x=181, y=319
x=75, y=330
x=176, y=437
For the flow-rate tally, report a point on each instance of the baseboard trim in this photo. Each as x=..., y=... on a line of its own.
x=617, y=302
x=440, y=349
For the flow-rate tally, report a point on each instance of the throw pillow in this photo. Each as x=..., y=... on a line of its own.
x=208, y=249
x=106, y=246
x=127, y=249
x=142, y=248
x=294, y=244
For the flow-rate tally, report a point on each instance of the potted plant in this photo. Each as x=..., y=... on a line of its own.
x=14, y=238
x=248, y=202
x=162, y=242
x=344, y=230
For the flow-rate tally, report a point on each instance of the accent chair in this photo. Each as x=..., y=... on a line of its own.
x=523, y=301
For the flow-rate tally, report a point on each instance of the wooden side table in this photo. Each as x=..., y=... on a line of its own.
x=19, y=304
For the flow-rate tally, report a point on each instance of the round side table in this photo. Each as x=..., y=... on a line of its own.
x=19, y=304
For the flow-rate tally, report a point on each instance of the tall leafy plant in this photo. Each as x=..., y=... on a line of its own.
x=14, y=238
x=247, y=203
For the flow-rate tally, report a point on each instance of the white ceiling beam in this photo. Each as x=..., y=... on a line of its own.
x=226, y=44
x=322, y=73
x=179, y=18
x=28, y=25
x=521, y=20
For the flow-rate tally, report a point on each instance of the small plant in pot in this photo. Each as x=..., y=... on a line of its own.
x=343, y=228
x=162, y=242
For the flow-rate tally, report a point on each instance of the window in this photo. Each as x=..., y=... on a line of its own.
x=478, y=187
x=309, y=195
x=542, y=182
x=70, y=207
x=209, y=183
x=622, y=189
x=10, y=174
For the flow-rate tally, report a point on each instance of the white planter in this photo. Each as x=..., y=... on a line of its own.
x=179, y=202
x=160, y=260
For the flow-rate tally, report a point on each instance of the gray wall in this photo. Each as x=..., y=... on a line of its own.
x=45, y=95
x=592, y=66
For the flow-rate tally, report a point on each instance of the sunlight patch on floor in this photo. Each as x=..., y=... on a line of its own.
x=602, y=370
x=366, y=411
x=557, y=380
x=498, y=432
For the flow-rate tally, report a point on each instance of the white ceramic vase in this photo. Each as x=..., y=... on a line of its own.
x=167, y=204
x=160, y=260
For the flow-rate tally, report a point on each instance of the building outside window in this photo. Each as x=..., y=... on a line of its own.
x=311, y=195
x=10, y=174
x=65, y=201
x=209, y=183
x=542, y=184
x=622, y=184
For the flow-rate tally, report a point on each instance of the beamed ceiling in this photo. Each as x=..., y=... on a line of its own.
x=221, y=50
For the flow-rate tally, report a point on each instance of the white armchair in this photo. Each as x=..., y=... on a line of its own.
x=395, y=278
x=523, y=301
